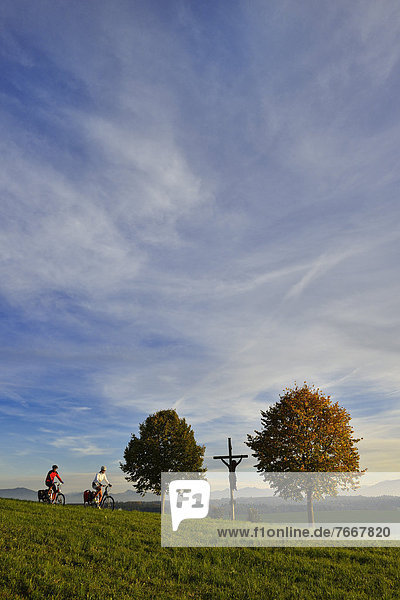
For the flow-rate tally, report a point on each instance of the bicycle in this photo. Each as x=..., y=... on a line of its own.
x=53, y=498
x=106, y=501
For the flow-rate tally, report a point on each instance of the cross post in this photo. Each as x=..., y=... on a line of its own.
x=231, y=464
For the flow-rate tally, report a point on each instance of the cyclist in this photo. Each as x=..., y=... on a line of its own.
x=49, y=481
x=98, y=480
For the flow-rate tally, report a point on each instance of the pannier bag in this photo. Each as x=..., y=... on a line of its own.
x=43, y=495
x=87, y=496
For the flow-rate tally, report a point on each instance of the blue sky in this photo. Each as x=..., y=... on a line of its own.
x=199, y=207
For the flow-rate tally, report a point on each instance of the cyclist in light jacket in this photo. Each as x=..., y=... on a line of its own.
x=99, y=480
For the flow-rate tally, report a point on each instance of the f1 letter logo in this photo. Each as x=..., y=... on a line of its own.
x=189, y=499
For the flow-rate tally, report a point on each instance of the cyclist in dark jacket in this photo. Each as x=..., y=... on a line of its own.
x=49, y=481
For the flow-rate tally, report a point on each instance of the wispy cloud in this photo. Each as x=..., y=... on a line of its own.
x=196, y=212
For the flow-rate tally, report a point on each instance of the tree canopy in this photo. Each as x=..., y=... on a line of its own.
x=305, y=432
x=165, y=443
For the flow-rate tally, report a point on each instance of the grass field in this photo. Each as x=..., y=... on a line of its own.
x=75, y=553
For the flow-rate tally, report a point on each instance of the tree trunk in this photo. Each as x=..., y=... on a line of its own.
x=163, y=502
x=310, y=508
x=231, y=498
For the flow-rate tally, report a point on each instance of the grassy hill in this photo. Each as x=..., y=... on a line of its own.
x=76, y=553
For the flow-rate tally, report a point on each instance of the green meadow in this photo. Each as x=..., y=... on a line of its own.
x=75, y=553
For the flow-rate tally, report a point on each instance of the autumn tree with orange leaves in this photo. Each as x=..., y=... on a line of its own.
x=306, y=432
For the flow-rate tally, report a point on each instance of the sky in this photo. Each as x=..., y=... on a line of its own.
x=199, y=207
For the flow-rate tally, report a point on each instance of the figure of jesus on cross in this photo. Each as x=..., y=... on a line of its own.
x=232, y=468
x=231, y=464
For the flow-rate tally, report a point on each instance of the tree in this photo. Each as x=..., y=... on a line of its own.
x=305, y=431
x=165, y=443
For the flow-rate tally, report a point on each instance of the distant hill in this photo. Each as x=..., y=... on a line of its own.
x=246, y=492
x=383, y=488
x=19, y=493
x=132, y=496
x=391, y=487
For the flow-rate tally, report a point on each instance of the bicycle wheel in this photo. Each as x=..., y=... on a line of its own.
x=60, y=499
x=108, y=503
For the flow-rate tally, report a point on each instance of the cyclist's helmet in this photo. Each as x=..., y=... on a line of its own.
x=54, y=467
x=103, y=468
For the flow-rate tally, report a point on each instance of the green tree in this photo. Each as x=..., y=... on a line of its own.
x=165, y=443
x=306, y=432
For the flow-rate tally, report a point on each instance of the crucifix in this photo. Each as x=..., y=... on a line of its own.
x=231, y=464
